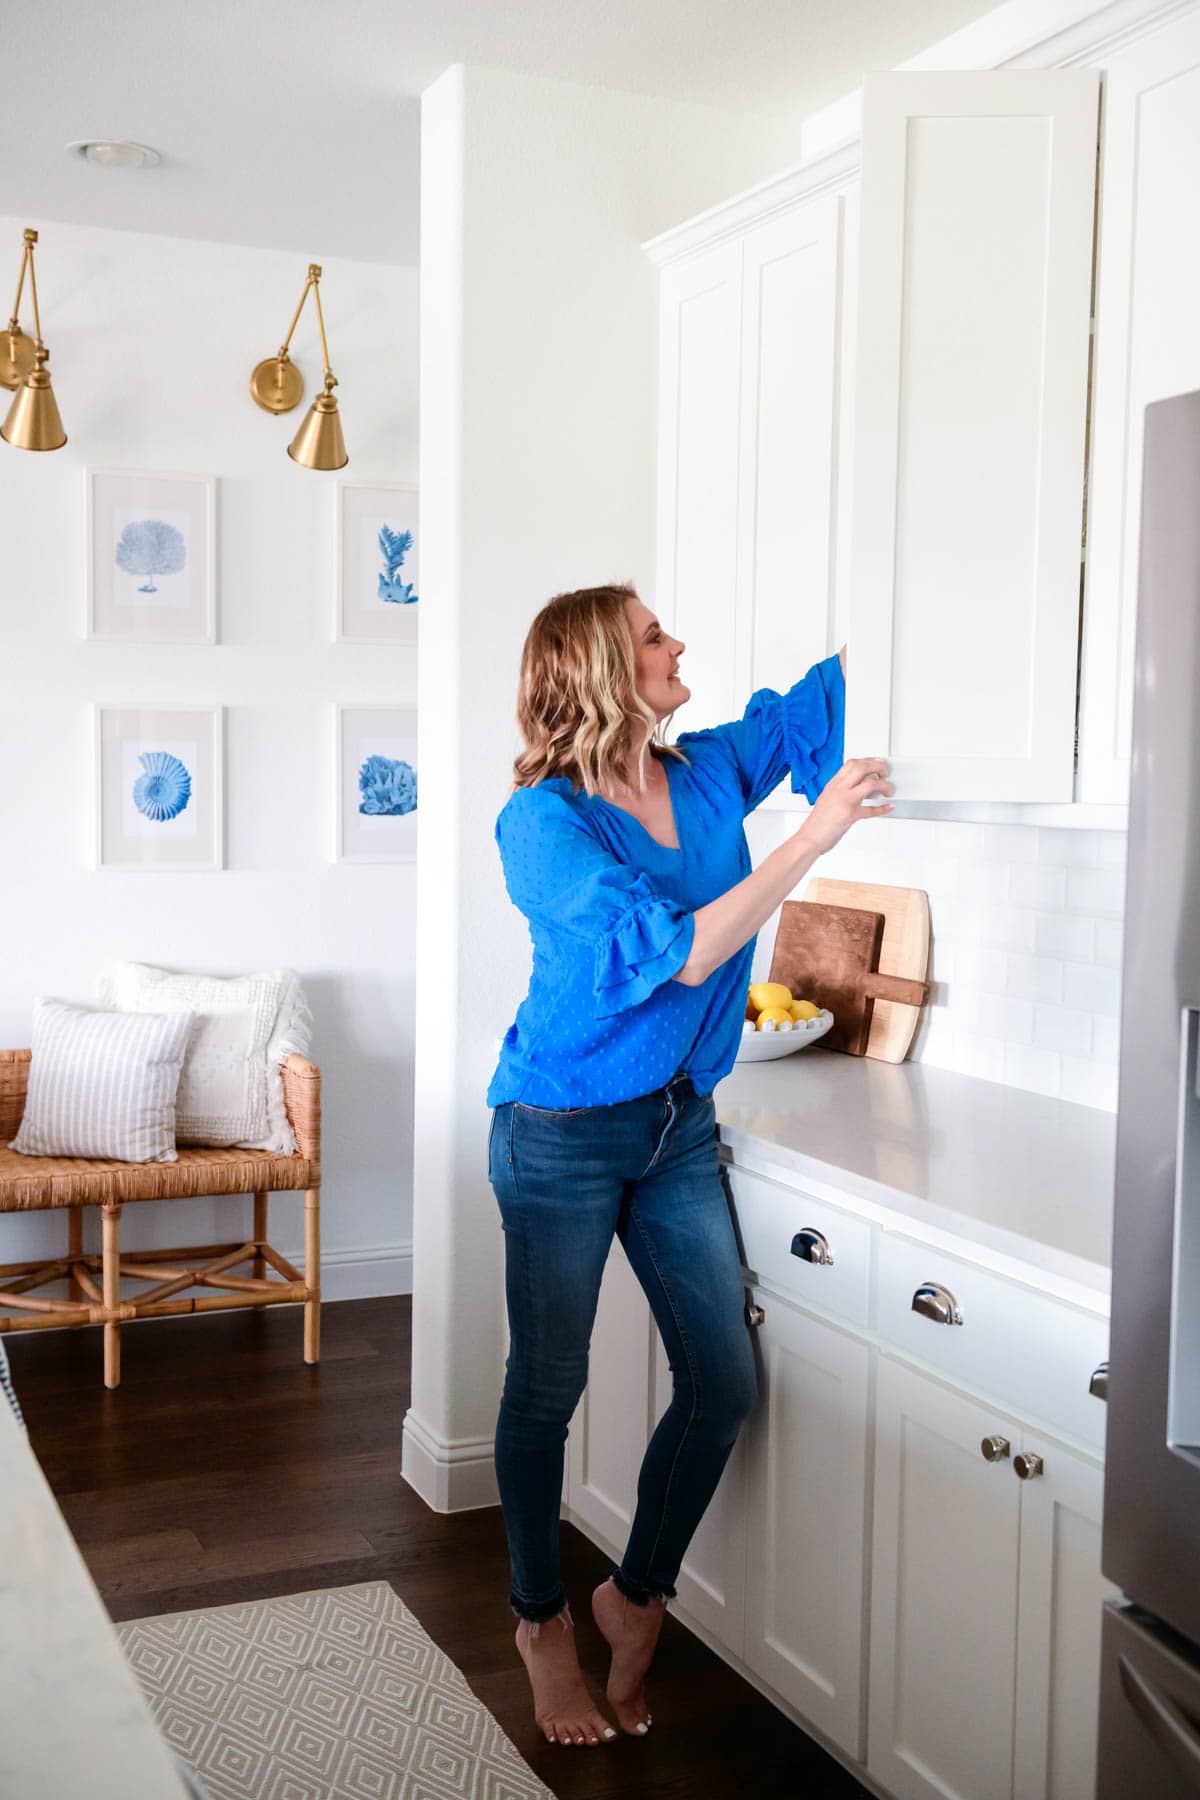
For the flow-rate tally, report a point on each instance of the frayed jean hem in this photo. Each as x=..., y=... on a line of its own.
x=637, y=1591
x=537, y=1612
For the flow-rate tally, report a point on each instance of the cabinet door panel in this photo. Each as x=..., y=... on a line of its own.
x=790, y=299
x=699, y=371
x=609, y=1430
x=943, y=1595
x=1147, y=348
x=1061, y=1595
x=712, y=1578
x=805, y=1568
x=972, y=350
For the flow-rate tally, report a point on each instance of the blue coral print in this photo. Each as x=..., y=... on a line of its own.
x=386, y=787
x=394, y=546
x=151, y=547
x=165, y=788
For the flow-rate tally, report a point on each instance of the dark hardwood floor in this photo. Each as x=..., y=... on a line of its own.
x=223, y=1469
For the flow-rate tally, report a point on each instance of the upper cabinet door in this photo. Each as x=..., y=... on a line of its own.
x=699, y=371
x=788, y=436
x=972, y=367
x=1147, y=348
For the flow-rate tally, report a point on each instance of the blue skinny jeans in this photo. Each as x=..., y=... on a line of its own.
x=647, y=1170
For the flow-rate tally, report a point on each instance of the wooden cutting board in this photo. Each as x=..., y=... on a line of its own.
x=905, y=951
x=830, y=955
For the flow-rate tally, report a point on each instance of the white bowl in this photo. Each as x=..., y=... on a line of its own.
x=781, y=1040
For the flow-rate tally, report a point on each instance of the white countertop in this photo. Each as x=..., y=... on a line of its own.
x=73, y=1719
x=1016, y=1173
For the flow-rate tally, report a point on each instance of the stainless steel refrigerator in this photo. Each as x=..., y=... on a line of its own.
x=1150, y=1678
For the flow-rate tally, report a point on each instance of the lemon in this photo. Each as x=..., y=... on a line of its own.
x=804, y=1009
x=769, y=993
x=779, y=1014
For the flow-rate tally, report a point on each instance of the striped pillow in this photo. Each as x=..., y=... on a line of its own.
x=102, y=1083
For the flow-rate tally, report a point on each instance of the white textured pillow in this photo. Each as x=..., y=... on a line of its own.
x=231, y=1090
x=101, y=1084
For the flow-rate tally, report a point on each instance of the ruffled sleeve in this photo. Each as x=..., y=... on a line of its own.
x=801, y=731
x=560, y=875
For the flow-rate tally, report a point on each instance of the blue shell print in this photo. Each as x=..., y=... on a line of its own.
x=386, y=787
x=165, y=788
x=394, y=546
x=151, y=547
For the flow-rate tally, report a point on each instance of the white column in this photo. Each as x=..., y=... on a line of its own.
x=538, y=345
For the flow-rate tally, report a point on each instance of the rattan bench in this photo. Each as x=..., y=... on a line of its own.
x=39, y=1183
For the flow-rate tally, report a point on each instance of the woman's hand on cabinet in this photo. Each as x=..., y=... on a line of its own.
x=842, y=801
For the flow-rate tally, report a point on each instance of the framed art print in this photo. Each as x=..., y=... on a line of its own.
x=151, y=574
x=158, y=787
x=376, y=756
x=378, y=581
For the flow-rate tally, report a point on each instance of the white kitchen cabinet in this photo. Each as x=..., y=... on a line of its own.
x=1058, y=1632
x=806, y=1518
x=752, y=418
x=943, y=1594
x=974, y=301
x=1147, y=347
x=712, y=1577
x=699, y=387
x=611, y=1425
x=986, y=1595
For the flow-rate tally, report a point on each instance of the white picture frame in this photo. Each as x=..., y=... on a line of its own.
x=150, y=546
x=363, y=612
x=176, y=823
x=360, y=733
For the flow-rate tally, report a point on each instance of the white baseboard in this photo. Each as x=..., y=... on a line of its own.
x=361, y=1271
x=457, y=1476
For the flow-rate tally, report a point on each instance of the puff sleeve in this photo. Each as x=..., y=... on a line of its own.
x=560, y=876
x=802, y=730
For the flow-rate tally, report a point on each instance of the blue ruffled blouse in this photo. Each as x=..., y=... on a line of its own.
x=610, y=909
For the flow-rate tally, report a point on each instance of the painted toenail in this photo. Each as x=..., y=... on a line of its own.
x=643, y=1729
x=609, y=1732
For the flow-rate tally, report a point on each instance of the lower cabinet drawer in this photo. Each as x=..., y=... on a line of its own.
x=1032, y=1351
x=773, y=1218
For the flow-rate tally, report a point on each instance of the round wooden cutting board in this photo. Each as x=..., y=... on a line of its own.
x=905, y=951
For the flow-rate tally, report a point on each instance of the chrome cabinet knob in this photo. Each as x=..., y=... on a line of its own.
x=1098, y=1385
x=1028, y=1466
x=933, y=1301
x=812, y=1246
x=755, y=1314
x=995, y=1449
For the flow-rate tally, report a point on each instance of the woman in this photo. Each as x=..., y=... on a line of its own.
x=629, y=859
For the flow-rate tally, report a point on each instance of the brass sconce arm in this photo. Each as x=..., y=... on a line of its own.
x=277, y=386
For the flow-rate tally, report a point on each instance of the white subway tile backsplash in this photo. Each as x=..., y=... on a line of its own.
x=1034, y=884
x=1059, y=934
x=1063, y=1028
x=1097, y=989
x=1026, y=950
x=1035, y=977
x=1099, y=892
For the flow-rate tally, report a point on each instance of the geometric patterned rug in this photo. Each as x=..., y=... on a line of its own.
x=319, y=1696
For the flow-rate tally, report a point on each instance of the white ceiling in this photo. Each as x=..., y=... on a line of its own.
x=295, y=124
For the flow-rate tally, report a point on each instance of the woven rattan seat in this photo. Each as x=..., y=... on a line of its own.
x=37, y=1183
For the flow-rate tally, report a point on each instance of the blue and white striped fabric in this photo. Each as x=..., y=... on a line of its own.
x=6, y=1386
x=102, y=1083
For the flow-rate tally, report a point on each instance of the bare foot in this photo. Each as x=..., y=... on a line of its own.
x=632, y=1631
x=562, y=1706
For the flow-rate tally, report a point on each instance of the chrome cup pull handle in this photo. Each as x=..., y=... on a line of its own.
x=933, y=1301
x=811, y=1245
x=1098, y=1385
x=995, y=1449
x=755, y=1315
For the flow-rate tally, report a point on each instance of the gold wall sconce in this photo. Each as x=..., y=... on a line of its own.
x=33, y=422
x=277, y=386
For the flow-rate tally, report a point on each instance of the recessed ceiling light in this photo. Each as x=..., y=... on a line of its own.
x=112, y=153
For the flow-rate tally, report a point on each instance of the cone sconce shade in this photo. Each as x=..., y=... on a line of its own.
x=277, y=386
x=33, y=422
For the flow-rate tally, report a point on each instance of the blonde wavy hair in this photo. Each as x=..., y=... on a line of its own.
x=578, y=708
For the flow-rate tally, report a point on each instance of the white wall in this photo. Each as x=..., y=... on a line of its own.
x=538, y=404
x=152, y=340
